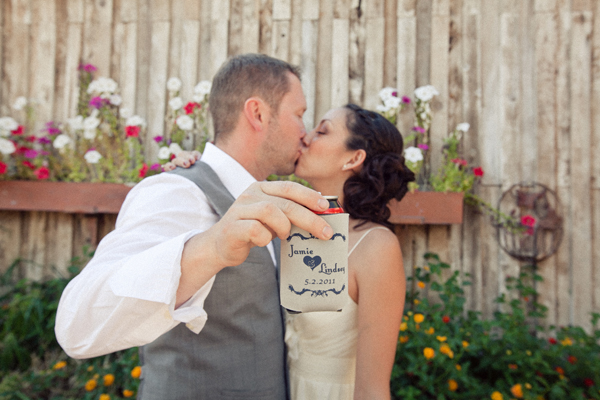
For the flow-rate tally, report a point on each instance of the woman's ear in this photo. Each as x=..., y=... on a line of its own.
x=255, y=113
x=358, y=158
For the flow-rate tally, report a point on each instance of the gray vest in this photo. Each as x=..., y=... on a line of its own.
x=240, y=352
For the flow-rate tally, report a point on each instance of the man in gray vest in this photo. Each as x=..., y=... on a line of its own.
x=190, y=270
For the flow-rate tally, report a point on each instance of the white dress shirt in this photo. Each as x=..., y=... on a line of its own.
x=125, y=296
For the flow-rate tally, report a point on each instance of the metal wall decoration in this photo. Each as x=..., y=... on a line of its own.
x=538, y=228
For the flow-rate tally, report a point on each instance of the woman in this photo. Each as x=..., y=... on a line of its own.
x=356, y=155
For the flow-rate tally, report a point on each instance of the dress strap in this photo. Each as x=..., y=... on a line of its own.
x=362, y=237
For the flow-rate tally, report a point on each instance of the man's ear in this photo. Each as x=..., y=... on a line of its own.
x=255, y=112
x=357, y=159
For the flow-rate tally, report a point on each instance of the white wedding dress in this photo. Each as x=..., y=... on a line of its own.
x=321, y=349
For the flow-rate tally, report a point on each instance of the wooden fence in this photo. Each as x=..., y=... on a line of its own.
x=524, y=73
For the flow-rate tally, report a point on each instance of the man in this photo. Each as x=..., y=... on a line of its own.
x=184, y=252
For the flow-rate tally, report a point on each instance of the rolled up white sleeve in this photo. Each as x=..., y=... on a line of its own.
x=125, y=296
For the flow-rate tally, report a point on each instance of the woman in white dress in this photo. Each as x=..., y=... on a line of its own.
x=356, y=155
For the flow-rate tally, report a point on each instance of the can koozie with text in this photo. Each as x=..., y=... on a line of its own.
x=314, y=272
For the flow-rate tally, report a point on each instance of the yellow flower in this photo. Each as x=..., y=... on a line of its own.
x=96, y=376
x=465, y=343
x=429, y=353
x=452, y=385
x=60, y=365
x=91, y=385
x=426, y=268
x=90, y=368
x=430, y=331
x=445, y=349
x=566, y=342
x=403, y=326
x=508, y=352
x=104, y=397
x=540, y=398
x=441, y=338
x=405, y=318
x=497, y=396
x=403, y=339
x=417, y=301
x=528, y=353
x=109, y=379
x=419, y=318
x=136, y=372
x=517, y=391
x=421, y=284
x=528, y=386
x=128, y=393
x=410, y=313
x=458, y=367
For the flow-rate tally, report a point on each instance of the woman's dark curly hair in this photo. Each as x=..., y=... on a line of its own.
x=384, y=174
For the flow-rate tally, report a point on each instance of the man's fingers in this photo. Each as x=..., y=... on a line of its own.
x=296, y=192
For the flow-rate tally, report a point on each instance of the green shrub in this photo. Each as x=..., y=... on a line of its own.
x=447, y=352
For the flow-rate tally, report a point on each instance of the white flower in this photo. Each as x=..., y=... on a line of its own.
x=174, y=148
x=387, y=93
x=76, y=123
x=203, y=88
x=104, y=86
x=61, y=141
x=392, y=102
x=464, y=127
x=185, y=122
x=413, y=154
x=135, y=120
x=176, y=103
x=90, y=123
x=7, y=147
x=426, y=93
x=20, y=102
x=382, y=108
x=8, y=124
x=125, y=112
x=164, y=153
x=115, y=100
x=198, y=98
x=92, y=156
x=89, y=134
x=174, y=84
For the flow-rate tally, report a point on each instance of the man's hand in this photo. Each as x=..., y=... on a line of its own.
x=263, y=211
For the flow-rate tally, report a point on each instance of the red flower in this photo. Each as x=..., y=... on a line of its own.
x=572, y=359
x=42, y=173
x=445, y=319
x=460, y=161
x=19, y=130
x=28, y=164
x=478, y=171
x=552, y=340
x=560, y=370
x=143, y=171
x=31, y=139
x=538, y=373
x=190, y=107
x=3, y=168
x=528, y=220
x=588, y=382
x=132, y=131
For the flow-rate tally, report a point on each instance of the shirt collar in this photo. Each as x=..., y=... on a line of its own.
x=235, y=178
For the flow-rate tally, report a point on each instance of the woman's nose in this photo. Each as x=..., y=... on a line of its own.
x=309, y=137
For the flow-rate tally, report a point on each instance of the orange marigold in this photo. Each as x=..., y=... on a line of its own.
x=517, y=391
x=421, y=284
x=419, y=318
x=452, y=385
x=60, y=365
x=403, y=339
x=430, y=331
x=104, y=397
x=497, y=396
x=429, y=353
x=128, y=393
x=91, y=385
x=109, y=379
x=136, y=372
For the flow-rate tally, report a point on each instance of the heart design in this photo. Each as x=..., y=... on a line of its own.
x=312, y=262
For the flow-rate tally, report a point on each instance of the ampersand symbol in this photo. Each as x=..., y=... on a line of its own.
x=312, y=262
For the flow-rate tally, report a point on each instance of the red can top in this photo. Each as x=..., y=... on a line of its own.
x=334, y=206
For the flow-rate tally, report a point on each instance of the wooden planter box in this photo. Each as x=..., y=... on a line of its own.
x=430, y=208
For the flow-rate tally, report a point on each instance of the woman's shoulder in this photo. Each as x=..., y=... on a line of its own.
x=374, y=239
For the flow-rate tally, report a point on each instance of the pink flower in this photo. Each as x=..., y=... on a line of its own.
x=528, y=220
x=132, y=131
x=42, y=173
x=406, y=99
x=87, y=67
x=158, y=139
x=143, y=171
x=19, y=130
x=423, y=146
x=28, y=164
x=44, y=140
x=155, y=167
x=31, y=153
x=478, y=171
x=460, y=161
x=98, y=102
x=418, y=129
x=51, y=128
x=190, y=107
x=3, y=168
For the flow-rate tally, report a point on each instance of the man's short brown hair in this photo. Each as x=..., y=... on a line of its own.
x=242, y=77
